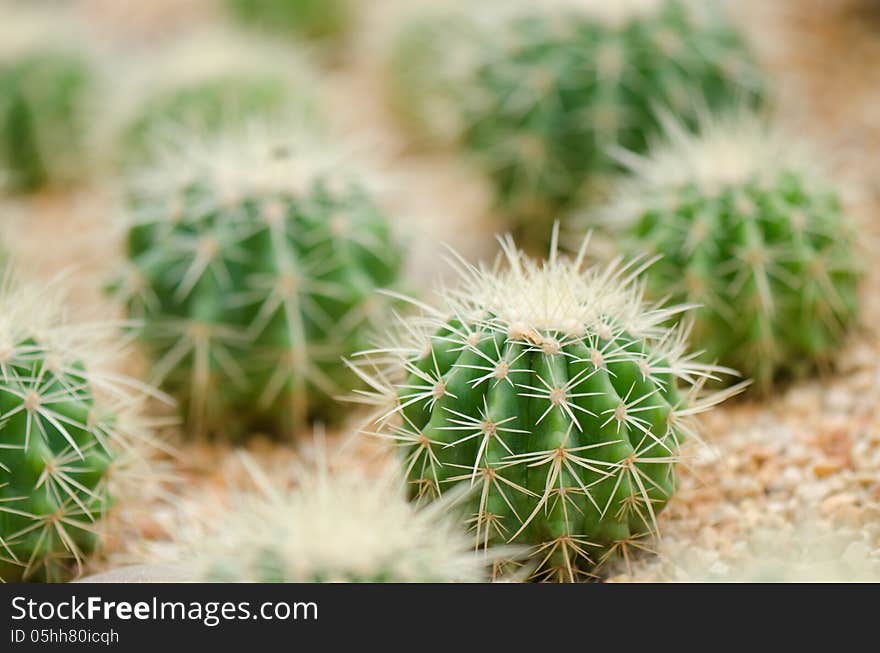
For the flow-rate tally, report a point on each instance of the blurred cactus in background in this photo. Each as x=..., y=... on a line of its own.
x=553, y=391
x=751, y=230
x=542, y=95
x=211, y=82
x=208, y=105
x=46, y=88
x=316, y=19
x=62, y=426
x=254, y=261
x=427, y=65
x=333, y=526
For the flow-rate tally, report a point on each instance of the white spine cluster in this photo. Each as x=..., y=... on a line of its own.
x=726, y=150
x=332, y=526
x=257, y=159
x=541, y=304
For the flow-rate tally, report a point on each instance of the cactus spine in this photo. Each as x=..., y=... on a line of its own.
x=750, y=229
x=254, y=261
x=554, y=390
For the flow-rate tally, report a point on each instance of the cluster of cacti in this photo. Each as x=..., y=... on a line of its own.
x=59, y=438
x=317, y=19
x=44, y=101
x=332, y=526
x=543, y=95
x=208, y=84
x=557, y=392
x=538, y=408
x=749, y=229
x=254, y=265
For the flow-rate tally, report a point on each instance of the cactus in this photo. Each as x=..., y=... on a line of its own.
x=209, y=105
x=315, y=19
x=45, y=90
x=211, y=82
x=751, y=229
x=333, y=526
x=547, y=93
x=254, y=258
x=554, y=390
x=61, y=429
x=427, y=63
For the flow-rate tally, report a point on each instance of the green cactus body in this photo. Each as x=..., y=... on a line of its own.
x=766, y=252
x=55, y=444
x=548, y=96
x=554, y=392
x=251, y=288
x=43, y=99
x=316, y=19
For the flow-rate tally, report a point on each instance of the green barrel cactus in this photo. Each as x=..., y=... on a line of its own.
x=553, y=391
x=751, y=230
x=44, y=100
x=331, y=527
x=254, y=260
x=546, y=94
x=60, y=435
x=314, y=19
x=427, y=63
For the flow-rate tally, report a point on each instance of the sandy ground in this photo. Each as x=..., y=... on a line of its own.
x=788, y=488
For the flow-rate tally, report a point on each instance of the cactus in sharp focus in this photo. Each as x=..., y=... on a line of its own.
x=46, y=87
x=751, y=229
x=254, y=259
x=61, y=433
x=316, y=19
x=545, y=94
x=340, y=526
x=555, y=391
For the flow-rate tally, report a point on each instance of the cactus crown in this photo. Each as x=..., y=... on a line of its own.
x=546, y=94
x=332, y=526
x=750, y=229
x=62, y=426
x=557, y=391
x=254, y=258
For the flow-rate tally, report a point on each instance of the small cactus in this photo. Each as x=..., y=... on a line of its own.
x=332, y=526
x=554, y=390
x=210, y=83
x=315, y=19
x=544, y=93
x=427, y=64
x=61, y=431
x=253, y=264
x=46, y=87
x=750, y=229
